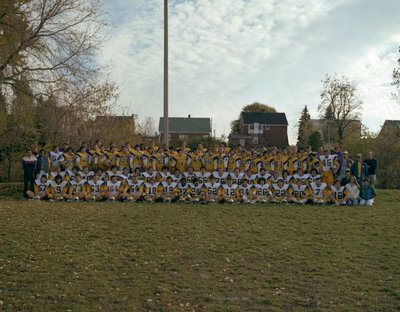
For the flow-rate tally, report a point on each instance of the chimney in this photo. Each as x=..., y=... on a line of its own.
x=189, y=116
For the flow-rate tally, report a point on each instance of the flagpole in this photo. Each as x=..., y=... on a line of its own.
x=165, y=72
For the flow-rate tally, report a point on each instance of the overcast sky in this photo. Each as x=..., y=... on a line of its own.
x=228, y=53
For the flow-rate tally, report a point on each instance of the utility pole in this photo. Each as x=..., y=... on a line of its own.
x=166, y=72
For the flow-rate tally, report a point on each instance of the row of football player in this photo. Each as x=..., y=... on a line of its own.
x=138, y=190
x=203, y=176
x=181, y=160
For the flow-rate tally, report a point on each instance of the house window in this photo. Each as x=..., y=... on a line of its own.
x=241, y=141
x=183, y=137
x=266, y=127
x=205, y=135
x=255, y=139
x=169, y=136
x=256, y=127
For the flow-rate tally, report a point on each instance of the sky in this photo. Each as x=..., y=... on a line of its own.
x=224, y=54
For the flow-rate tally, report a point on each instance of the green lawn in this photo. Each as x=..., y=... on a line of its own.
x=179, y=257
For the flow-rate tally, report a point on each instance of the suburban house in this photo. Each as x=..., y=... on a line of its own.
x=390, y=126
x=322, y=125
x=263, y=129
x=185, y=128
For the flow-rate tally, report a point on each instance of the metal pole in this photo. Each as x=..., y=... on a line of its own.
x=165, y=71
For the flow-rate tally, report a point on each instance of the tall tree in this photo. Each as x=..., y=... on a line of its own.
x=396, y=81
x=304, y=128
x=340, y=101
x=255, y=107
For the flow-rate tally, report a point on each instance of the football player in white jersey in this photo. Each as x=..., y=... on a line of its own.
x=134, y=189
x=320, y=192
x=168, y=191
x=150, y=190
x=280, y=192
x=203, y=176
x=76, y=188
x=197, y=192
x=59, y=188
x=86, y=174
x=113, y=189
x=339, y=194
x=189, y=175
x=237, y=176
x=184, y=190
x=231, y=192
x=245, y=191
x=41, y=189
x=330, y=166
x=150, y=173
x=261, y=191
x=55, y=156
x=94, y=189
x=162, y=175
x=220, y=176
x=213, y=191
x=304, y=177
x=299, y=193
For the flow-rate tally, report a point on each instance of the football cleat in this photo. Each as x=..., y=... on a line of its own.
x=92, y=199
x=229, y=200
x=262, y=201
x=111, y=199
x=36, y=198
x=195, y=200
x=130, y=199
x=343, y=203
x=211, y=201
x=75, y=199
x=60, y=199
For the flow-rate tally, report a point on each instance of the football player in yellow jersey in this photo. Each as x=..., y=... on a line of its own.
x=208, y=161
x=232, y=161
x=82, y=158
x=123, y=158
x=255, y=163
x=313, y=163
x=98, y=156
x=146, y=159
x=290, y=163
x=183, y=148
x=267, y=162
x=136, y=157
x=279, y=162
x=68, y=159
x=244, y=161
x=158, y=160
x=170, y=154
x=180, y=161
x=301, y=161
x=330, y=166
x=195, y=160
x=219, y=159
x=109, y=158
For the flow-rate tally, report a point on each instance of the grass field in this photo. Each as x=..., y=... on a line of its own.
x=178, y=257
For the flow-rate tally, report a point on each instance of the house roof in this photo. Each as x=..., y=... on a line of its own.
x=186, y=125
x=239, y=136
x=264, y=118
x=393, y=123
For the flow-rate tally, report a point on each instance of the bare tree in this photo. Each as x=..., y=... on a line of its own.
x=339, y=100
x=396, y=81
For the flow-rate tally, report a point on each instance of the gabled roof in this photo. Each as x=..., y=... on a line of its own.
x=393, y=123
x=186, y=125
x=264, y=118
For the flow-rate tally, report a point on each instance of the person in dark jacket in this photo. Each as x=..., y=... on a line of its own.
x=29, y=166
x=359, y=169
x=367, y=193
x=372, y=165
x=43, y=165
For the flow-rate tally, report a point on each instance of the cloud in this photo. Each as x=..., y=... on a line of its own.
x=228, y=53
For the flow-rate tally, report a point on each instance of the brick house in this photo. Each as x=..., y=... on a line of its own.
x=262, y=129
x=185, y=128
x=390, y=126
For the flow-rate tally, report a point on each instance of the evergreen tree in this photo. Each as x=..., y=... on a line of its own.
x=304, y=128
